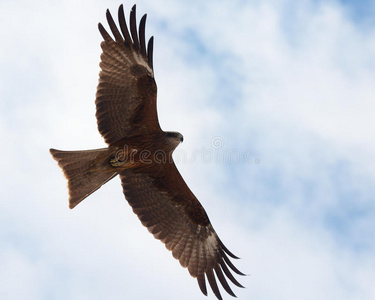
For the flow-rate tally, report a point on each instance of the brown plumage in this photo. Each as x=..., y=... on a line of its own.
x=141, y=153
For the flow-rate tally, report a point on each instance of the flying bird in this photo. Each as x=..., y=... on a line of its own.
x=140, y=152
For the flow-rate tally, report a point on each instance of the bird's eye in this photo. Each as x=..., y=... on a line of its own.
x=182, y=139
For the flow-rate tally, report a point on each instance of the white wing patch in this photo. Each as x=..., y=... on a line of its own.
x=212, y=242
x=141, y=61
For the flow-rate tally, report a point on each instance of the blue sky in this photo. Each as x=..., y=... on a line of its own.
x=287, y=88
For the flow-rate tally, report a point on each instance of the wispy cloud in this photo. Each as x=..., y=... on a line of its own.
x=291, y=82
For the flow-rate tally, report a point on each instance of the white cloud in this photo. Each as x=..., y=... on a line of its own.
x=302, y=81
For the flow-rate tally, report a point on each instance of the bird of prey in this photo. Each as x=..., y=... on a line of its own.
x=140, y=152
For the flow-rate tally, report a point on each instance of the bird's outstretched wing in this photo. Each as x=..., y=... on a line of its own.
x=126, y=93
x=166, y=206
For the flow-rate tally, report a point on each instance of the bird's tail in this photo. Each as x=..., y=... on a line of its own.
x=86, y=171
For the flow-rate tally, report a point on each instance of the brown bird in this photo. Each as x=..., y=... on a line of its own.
x=141, y=153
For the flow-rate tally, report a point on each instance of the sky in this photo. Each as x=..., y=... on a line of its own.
x=275, y=100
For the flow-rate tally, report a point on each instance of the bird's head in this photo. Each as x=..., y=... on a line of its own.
x=174, y=138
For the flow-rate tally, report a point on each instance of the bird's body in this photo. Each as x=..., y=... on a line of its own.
x=140, y=152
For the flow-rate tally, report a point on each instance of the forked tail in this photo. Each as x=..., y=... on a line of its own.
x=83, y=177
